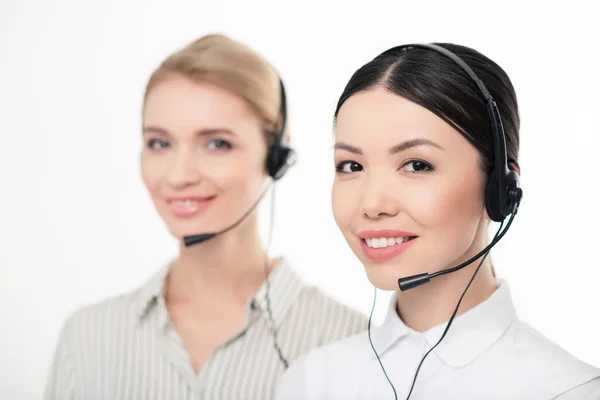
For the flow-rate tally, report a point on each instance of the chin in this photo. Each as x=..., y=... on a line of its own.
x=384, y=277
x=178, y=231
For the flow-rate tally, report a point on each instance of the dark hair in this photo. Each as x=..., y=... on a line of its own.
x=438, y=84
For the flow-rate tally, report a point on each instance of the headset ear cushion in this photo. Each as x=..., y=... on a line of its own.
x=279, y=160
x=500, y=205
x=492, y=198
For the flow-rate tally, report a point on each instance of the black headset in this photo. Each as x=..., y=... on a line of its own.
x=502, y=196
x=502, y=190
x=278, y=161
x=280, y=157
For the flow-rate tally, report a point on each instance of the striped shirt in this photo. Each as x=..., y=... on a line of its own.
x=126, y=347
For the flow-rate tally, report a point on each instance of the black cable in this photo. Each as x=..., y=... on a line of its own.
x=458, y=304
x=268, y=284
x=373, y=347
x=251, y=209
x=485, y=250
x=494, y=241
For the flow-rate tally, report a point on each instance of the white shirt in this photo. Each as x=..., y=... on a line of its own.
x=487, y=354
x=127, y=348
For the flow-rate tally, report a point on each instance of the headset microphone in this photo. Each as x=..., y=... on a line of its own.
x=203, y=237
x=279, y=159
x=502, y=199
x=502, y=192
x=412, y=282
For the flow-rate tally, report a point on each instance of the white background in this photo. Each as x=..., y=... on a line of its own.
x=77, y=226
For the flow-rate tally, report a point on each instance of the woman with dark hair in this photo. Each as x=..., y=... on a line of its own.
x=426, y=157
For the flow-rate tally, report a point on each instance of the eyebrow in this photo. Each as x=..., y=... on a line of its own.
x=347, y=147
x=394, y=150
x=200, y=132
x=414, y=143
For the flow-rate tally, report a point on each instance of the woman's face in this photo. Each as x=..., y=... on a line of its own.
x=203, y=160
x=408, y=191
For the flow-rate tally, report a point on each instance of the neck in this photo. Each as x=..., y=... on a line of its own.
x=232, y=264
x=429, y=305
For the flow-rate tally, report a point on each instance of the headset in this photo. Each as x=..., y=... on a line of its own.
x=280, y=156
x=503, y=196
x=279, y=159
x=502, y=190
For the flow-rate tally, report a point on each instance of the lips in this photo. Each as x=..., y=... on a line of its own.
x=385, y=244
x=186, y=207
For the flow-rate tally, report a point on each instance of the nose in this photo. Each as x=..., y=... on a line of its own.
x=377, y=201
x=184, y=169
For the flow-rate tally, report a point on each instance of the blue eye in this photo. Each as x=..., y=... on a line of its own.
x=346, y=167
x=416, y=166
x=219, y=144
x=157, y=144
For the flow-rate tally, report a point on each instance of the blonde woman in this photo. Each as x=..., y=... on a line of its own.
x=207, y=325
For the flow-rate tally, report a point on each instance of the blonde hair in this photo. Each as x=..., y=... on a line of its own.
x=230, y=65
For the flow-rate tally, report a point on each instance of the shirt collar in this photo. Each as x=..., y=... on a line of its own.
x=470, y=334
x=284, y=287
x=392, y=329
x=152, y=291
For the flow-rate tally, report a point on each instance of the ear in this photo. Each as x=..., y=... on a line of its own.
x=485, y=216
x=515, y=167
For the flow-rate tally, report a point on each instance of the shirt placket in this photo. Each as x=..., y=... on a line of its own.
x=431, y=365
x=217, y=360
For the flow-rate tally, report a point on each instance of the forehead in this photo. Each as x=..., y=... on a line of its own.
x=178, y=102
x=377, y=117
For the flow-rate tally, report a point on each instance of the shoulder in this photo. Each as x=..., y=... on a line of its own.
x=589, y=390
x=309, y=375
x=111, y=318
x=96, y=320
x=527, y=341
x=335, y=319
x=551, y=366
x=340, y=355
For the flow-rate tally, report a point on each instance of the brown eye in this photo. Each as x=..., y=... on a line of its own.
x=346, y=167
x=415, y=166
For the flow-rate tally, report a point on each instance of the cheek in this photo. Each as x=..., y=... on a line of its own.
x=241, y=177
x=344, y=204
x=151, y=172
x=450, y=208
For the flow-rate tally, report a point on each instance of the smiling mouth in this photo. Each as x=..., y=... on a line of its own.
x=187, y=207
x=186, y=203
x=383, y=242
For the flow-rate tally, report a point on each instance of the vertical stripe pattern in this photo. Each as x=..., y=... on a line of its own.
x=125, y=348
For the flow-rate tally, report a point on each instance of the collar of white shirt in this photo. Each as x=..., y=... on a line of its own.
x=284, y=286
x=470, y=334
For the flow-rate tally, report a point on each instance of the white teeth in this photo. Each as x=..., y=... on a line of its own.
x=378, y=243
x=185, y=203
